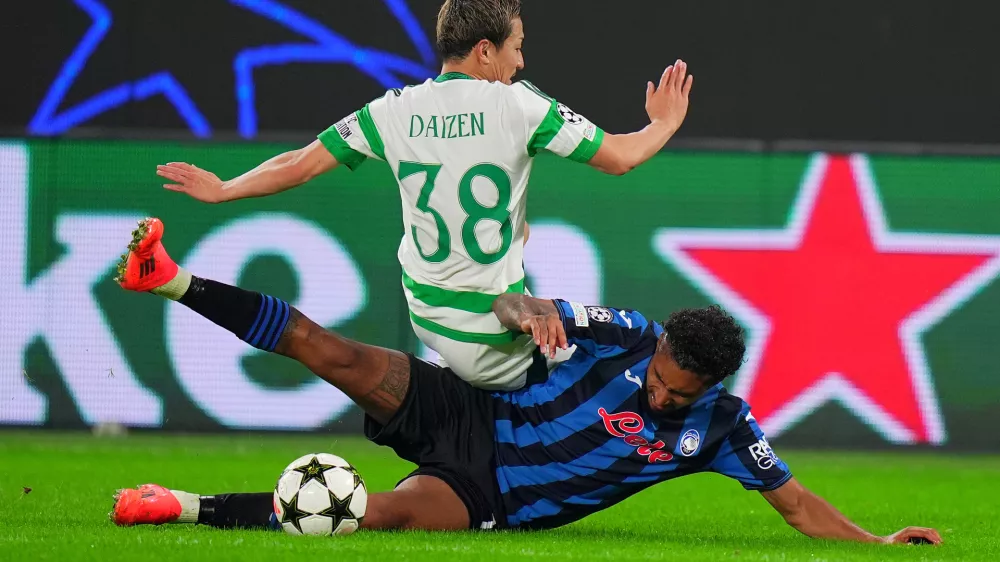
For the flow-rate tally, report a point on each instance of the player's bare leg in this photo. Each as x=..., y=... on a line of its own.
x=376, y=379
x=420, y=502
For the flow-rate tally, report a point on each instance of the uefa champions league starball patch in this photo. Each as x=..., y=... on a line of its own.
x=568, y=115
x=600, y=314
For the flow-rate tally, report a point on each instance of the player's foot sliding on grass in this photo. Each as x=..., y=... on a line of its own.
x=376, y=379
x=638, y=403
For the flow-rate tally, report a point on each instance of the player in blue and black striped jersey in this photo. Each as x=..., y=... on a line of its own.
x=636, y=403
x=624, y=412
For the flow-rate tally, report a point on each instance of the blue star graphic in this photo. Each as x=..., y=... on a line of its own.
x=325, y=46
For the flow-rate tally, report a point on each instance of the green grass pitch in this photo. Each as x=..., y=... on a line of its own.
x=703, y=517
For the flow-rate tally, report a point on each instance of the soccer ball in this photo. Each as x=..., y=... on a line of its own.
x=320, y=494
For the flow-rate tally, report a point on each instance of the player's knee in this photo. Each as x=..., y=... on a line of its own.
x=386, y=511
x=427, y=502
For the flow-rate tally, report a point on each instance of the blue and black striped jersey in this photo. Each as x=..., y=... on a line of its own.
x=585, y=438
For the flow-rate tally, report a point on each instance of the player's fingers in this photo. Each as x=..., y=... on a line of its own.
x=184, y=166
x=174, y=170
x=929, y=534
x=553, y=338
x=918, y=532
x=680, y=74
x=687, y=85
x=528, y=327
x=561, y=336
x=649, y=90
x=174, y=187
x=673, y=74
x=188, y=170
x=665, y=78
x=541, y=335
x=172, y=176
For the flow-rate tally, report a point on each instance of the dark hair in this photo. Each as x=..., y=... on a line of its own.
x=706, y=341
x=461, y=24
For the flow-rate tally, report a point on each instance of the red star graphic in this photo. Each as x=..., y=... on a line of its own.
x=836, y=303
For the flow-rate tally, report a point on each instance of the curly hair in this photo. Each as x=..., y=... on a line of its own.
x=706, y=341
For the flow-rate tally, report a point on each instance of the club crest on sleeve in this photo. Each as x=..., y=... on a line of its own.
x=568, y=115
x=690, y=442
x=600, y=314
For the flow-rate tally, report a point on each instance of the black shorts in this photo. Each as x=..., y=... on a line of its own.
x=446, y=427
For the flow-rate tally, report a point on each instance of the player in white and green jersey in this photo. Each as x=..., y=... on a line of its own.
x=461, y=147
x=462, y=151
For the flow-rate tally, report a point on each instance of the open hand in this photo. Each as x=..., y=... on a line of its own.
x=200, y=184
x=668, y=103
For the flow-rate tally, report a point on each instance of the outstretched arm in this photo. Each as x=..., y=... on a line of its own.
x=815, y=517
x=278, y=174
x=666, y=106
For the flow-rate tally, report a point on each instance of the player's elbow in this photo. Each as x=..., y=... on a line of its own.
x=612, y=159
x=795, y=518
x=619, y=168
x=792, y=505
x=304, y=164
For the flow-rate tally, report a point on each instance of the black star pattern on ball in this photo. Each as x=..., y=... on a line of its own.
x=338, y=510
x=290, y=512
x=313, y=471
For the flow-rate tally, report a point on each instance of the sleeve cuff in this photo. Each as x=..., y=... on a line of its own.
x=340, y=150
x=588, y=148
x=572, y=314
x=772, y=486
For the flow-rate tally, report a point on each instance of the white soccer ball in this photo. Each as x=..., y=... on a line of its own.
x=320, y=494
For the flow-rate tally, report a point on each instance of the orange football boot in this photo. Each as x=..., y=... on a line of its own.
x=148, y=504
x=146, y=266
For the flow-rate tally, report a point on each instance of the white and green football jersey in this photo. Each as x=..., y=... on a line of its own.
x=461, y=150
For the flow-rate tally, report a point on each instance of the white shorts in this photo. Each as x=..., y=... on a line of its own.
x=490, y=367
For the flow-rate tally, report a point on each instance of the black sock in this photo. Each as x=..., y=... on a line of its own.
x=236, y=511
x=256, y=319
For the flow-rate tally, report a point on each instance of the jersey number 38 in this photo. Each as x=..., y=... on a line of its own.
x=476, y=212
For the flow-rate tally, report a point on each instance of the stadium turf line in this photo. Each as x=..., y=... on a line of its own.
x=704, y=517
